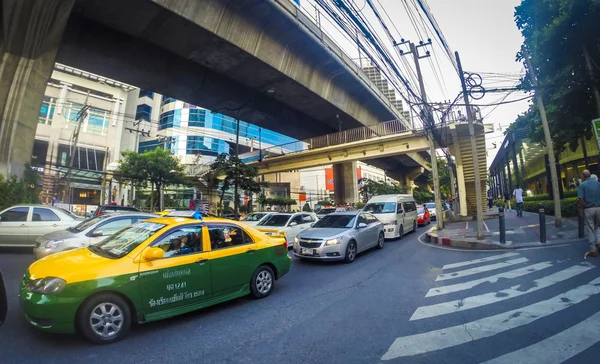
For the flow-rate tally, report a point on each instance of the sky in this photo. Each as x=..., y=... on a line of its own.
x=482, y=31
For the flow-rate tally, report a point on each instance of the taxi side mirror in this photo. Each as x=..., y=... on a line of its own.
x=153, y=254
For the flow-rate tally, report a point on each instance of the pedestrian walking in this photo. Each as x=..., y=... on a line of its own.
x=507, y=201
x=588, y=194
x=518, y=193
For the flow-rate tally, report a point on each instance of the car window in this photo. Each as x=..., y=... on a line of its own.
x=87, y=224
x=370, y=218
x=336, y=221
x=275, y=220
x=307, y=218
x=380, y=207
x=410, y=207
x=120, y=244
x=40, y=214
x=226, y=236
x=113, y=226
x=254, y=217
x=181, y=241
x=361, y=220
x=15, y=214
x=298, y=220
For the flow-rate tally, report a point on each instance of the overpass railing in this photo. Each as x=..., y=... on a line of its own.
x=362, y=133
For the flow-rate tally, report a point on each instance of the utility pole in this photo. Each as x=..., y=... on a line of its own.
x=80, y=118
x=548, y=139
x=429, y=123
x=104, y=196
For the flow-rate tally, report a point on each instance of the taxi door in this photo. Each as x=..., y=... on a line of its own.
x=182, y=277
x=232, y=257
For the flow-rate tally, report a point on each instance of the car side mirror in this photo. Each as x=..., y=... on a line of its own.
x=3, y=301
x=312, y=224
x=400, y=211
x=153, y=254
x=362, y=225
x=293, y=223
x=97, y=233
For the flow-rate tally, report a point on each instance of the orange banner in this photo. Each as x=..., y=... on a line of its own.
x=329, y=179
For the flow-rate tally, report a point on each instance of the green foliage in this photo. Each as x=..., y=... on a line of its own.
x=359, y=205
x=371, y=187
x=568, y=206
x=277, y=201
x=556, y=33
x=545, y=196
x=444, y=174
x=15, y=191
x=324, y=203
x=499, y=203
x=306, y=208
x=422, y=195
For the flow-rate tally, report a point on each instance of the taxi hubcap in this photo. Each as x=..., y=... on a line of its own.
x=106, y=319
x=264, y=281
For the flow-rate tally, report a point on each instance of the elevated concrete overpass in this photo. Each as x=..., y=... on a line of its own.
x=262, y=54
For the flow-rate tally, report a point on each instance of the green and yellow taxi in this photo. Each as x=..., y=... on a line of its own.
x=149, y=271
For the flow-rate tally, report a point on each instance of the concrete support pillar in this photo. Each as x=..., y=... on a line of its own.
x=345, y=181
x=30, y=35
x=460, y=182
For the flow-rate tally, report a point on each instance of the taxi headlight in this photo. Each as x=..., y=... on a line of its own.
x=281, y=233
x=333, y=241
x=53, y=244
x=48, y=285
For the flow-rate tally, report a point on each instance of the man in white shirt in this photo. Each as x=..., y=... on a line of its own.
x=518, y=193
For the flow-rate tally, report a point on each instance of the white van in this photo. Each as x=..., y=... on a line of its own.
x=398, y=213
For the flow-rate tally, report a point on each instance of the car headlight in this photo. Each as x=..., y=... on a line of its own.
x=48, y=285
x=53, y=244
x=333, y=241
x=391, y=222
x=296, y=240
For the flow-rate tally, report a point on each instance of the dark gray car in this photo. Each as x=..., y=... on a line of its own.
x=340, y=236
x=89, y=232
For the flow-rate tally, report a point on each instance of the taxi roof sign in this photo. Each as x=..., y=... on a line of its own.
x=191, y=214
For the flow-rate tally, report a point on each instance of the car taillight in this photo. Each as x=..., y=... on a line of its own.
x=285, y=244
x=97, y=213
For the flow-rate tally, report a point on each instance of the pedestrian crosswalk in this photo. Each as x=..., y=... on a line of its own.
x=536, y=284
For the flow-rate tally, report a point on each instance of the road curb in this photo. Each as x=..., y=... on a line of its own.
x=432, y=237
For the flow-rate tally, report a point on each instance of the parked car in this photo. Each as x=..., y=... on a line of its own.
x=340, y=236
x=431, y=207
x=254, y=218
x=104, y=209
x=286, y=224
x=21, y=225
x=325, y=211
x=149, y=271
x=424, y=217
x=398, y=213
x=88, y=232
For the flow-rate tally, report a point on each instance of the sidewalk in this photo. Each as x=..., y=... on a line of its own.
x=521, y=232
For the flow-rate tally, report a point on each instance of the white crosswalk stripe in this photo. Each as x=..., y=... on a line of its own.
x=476, y=270
x=492, y=279
x=554, y=349
x=493, y=297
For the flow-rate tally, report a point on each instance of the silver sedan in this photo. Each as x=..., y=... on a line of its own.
x=89, y=232
x=340, y=236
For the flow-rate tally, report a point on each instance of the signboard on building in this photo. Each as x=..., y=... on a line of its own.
x=596, y=127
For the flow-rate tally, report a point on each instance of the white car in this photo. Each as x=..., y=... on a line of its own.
x=287, y=224
x=254, y=218
x=21, y=225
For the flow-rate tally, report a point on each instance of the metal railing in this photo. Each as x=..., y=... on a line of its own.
x=392, y=127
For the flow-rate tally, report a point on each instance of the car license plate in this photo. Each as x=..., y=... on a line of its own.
x=307, y=251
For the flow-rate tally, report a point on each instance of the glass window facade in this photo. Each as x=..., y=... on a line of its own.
x=143, y=112
x=97, y=121
x=169, y=119
x=47, y=111
x=197, y=118
x=146, y=93
x=206, y=145
x=167, y=100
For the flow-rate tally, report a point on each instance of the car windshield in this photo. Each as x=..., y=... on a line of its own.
x=326, y=211
x=70, y=213
x=336, y=221
x=123, y=242
x=380, y=207
x=87, y=224
x=254, y=217
x=420, y=210
x=430, y=205
x=275, y=220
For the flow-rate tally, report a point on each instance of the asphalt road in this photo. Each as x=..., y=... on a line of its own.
x=535, y=306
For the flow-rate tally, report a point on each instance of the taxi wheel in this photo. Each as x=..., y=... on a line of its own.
x=104, y=318
x=350, y=252
x=380, y=241
x=262, y=282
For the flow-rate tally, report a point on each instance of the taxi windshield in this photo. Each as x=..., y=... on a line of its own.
x=124, y=241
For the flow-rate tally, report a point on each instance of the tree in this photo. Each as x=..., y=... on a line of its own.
x=556, y=35
x=306, y=207
x=372, y=187
x=444, y=176
x=15, y=191
x=230, y=170
x=131, y=170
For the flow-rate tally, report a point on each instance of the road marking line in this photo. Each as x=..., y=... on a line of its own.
x=476, y=270
x=437, y=291
x=486, y=227
x=558, y=348
x=468, y=303
x=488, y=326
x=481, y=260
x=466, y=225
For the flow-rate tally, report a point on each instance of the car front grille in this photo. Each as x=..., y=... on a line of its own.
x=310, y=244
